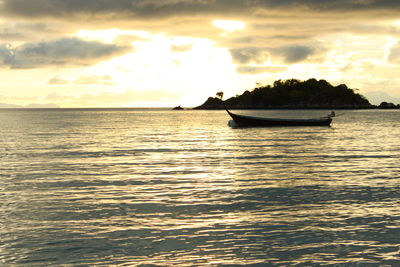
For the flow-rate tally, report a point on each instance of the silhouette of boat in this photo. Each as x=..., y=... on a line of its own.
x=244, y=120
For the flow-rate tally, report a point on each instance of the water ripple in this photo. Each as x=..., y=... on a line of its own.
x=160, y=188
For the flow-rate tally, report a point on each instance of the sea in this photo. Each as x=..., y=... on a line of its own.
x=156, y=187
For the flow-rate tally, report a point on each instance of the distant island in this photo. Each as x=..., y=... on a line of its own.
x=178, y=108
x=38, y=106
x=293, y=94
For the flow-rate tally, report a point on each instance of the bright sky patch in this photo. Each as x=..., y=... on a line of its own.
x=229, y=25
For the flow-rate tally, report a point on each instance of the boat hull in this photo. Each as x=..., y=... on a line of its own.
x=244, y=121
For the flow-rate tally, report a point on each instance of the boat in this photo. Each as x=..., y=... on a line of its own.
x=244, y=120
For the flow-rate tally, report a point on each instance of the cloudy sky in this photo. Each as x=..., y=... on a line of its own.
x=132, y=53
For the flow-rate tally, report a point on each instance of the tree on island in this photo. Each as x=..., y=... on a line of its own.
x=293, y=93
x=220, y=95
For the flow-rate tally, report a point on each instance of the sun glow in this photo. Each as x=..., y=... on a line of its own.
x=229, y=25
x=187, y=69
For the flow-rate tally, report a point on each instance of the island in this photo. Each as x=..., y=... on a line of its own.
x=292, y=94
x=178, y=108
x=29, y=106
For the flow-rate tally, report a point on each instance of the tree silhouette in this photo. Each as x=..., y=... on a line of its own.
x=293, y=93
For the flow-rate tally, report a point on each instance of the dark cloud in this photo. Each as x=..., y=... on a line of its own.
x=168, y=8
x=331, y=5
x=290, y=54
x=20, y=31
x=98, y=8
x=6, y=54
x=250, y=55
x=283, y=22
x=293, y=54
x=66, y=51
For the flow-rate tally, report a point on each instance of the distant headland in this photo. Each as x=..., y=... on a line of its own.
x=295, y=94
x=38, y=106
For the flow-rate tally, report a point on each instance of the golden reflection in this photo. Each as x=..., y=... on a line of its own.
x=185, y=189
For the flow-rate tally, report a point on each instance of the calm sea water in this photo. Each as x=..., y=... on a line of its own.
x=181, y=188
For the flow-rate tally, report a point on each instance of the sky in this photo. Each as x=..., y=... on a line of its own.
x=164, y=53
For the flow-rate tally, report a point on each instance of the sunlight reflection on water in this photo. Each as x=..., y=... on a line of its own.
x=101, y=187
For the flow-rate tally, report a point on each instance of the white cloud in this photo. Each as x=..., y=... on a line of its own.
x=105, y=80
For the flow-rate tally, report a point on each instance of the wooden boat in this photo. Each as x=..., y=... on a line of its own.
x=243, y=120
